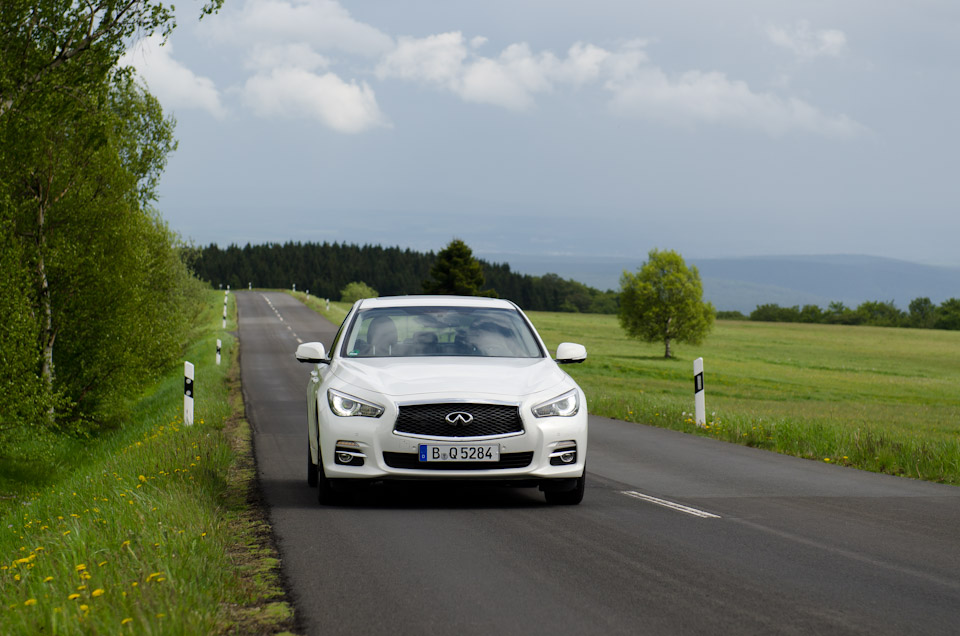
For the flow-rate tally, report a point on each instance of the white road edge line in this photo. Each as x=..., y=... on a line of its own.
x=669, y=504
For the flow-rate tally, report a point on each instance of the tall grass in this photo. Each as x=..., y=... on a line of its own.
x=138, y=532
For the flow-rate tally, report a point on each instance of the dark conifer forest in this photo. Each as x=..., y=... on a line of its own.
x=326, y=268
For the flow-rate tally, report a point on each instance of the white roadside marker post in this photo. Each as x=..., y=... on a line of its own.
x=218, y=352
x=249, y=286
x=328, y=304
x=700, y=409
x=224, y=315
x=188, y=393
x=294, y=287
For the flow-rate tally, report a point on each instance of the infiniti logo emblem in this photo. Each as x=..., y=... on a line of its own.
x=458, y=418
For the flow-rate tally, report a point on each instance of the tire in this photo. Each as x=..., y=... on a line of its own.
x=326, y=493
x=311, y=469
x=568, y=497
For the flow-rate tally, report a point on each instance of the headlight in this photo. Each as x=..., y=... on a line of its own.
x=346, y=405
x=565, y=405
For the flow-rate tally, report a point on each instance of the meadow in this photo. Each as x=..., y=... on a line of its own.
x=875, y=398
x=147, y=529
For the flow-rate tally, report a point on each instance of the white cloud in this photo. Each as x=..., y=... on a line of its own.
x=638, y=87
x=292, y=48
x=435, y=58
x=324, y=24
x=806, y=43
x=346, y=107
x=265, y=57
x=696, y=97
x=510, y=80
x=173, y=84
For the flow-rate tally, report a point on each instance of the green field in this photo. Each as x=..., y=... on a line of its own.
x=877, y=398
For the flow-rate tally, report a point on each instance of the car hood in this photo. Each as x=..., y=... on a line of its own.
x=495, y=378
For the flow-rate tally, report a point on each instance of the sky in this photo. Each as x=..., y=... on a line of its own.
x=567, y=128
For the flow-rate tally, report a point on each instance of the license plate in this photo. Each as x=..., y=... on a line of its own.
x=459, y=453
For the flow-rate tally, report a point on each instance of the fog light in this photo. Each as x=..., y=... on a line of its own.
x=565, y=454
x=344, y=458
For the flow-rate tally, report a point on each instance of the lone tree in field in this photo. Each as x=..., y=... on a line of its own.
x=663, y=301
x=456, y=272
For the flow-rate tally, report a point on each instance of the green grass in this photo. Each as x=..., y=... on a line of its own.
x=337, y=312
x=876, y=398
x=146, y=530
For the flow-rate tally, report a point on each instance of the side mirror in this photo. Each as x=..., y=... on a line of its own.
x=571, y=353
x=312, y=352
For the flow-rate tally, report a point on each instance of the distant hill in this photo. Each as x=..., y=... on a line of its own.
x=743, y=283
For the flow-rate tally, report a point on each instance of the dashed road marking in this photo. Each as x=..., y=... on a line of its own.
x=670, y=504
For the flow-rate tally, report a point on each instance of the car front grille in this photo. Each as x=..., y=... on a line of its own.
x=458, y=420
x=412, y=461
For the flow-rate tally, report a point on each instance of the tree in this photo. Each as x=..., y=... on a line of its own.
x=456, y=272
x=99, y=268
x=355, y=291
x=948, y=315
x=923, y=313
x=880, y=314
x=663, y=301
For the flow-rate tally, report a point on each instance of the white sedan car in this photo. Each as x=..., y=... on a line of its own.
x=444, y=387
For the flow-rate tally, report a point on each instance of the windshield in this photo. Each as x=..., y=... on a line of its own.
x=440, y=331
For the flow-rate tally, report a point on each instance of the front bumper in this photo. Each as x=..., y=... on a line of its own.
x=386, y=455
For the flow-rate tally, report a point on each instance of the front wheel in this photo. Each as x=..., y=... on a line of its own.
x=570, y=497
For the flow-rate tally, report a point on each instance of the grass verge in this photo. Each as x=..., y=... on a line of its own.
x=335, y=312
x=151, y=529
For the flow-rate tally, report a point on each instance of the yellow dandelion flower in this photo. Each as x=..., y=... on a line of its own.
x=85, y=608
x=73, y=597
x=97, y=592
x=48, y=579
x=101, y=564
x=826, y=459
x=30, y=601
x=126, y=620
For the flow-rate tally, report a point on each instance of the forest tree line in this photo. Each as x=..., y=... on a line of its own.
x=922, y=313
x=326, y=268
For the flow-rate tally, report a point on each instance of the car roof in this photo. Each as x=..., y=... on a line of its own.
x=436, y=301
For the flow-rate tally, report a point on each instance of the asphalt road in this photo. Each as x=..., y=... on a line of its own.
x=768, y=544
